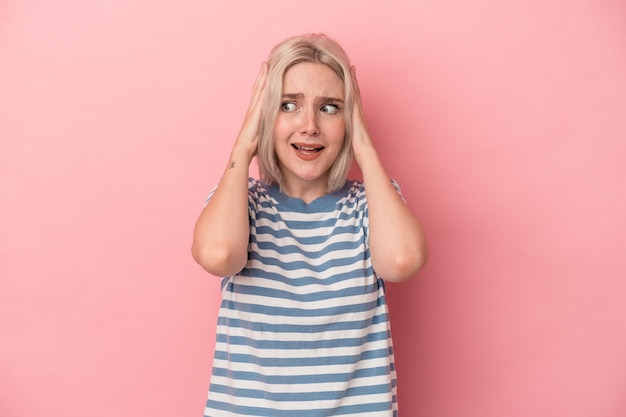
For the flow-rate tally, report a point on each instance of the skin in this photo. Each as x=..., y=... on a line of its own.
x=397, y=242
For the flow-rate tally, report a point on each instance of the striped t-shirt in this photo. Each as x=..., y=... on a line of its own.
x=303, y=329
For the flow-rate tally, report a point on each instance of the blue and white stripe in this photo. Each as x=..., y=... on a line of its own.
x=303, y=329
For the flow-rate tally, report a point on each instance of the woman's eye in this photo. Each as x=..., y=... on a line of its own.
x=288, y=107
x=329, y=109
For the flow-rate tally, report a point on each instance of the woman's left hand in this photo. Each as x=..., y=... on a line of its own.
x=361, y=140
x=396, y=240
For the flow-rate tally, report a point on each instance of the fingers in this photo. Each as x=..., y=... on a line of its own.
x=254, y=110
x=357, y=107
x=248, y=135
x=355, y=87
x=360, y=136
x=259, y=85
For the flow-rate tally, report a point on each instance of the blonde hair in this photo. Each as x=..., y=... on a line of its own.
x=315, y=48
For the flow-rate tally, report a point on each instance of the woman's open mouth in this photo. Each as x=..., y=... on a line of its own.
x=307, y=153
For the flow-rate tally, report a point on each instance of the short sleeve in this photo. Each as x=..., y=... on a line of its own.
x=253, y=194
x=365, y=208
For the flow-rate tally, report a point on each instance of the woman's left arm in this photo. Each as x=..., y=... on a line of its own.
x=396, y=239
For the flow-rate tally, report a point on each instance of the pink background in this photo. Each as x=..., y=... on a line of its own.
x=504, y=121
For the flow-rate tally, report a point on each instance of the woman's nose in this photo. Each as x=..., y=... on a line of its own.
x=309, y=122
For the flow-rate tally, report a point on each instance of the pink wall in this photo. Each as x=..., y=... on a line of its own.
x=503, y=120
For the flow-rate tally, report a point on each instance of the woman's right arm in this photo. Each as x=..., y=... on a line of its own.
x=221, y=234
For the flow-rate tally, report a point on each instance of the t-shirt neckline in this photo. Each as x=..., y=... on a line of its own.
x=321, y=203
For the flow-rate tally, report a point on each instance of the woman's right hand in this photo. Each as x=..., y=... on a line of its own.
x=221, y=235
x=248, y=137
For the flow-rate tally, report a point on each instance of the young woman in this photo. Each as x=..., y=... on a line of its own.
x=303, y=328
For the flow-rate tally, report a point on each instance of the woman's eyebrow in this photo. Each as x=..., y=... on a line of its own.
x=335, y=99
x=300, y=96
x=293, y=96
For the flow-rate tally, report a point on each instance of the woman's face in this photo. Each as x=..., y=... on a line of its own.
x=310, y=127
